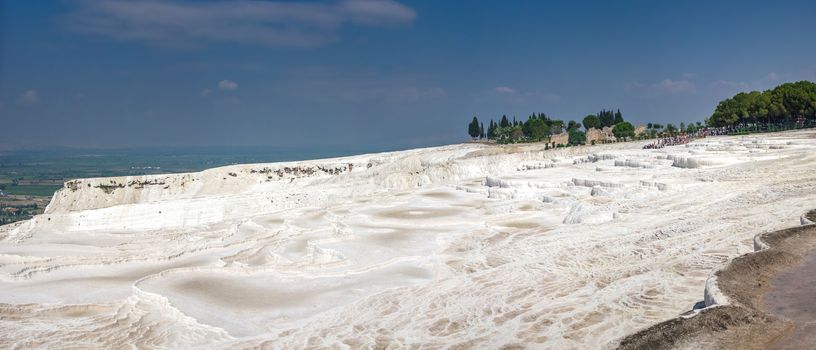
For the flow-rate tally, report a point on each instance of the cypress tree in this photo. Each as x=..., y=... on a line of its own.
x=618, y=117
x=473, y=128
x=607, y=118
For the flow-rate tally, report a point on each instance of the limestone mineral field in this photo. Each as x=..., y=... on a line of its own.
x=470, y=245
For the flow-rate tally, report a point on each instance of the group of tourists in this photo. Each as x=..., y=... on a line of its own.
x=720, y=131
x=669, y=141
x=685, y=138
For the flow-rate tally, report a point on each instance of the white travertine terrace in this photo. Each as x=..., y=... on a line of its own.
x=469, y=245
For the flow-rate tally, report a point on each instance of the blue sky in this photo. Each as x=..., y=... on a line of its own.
x=374, y=74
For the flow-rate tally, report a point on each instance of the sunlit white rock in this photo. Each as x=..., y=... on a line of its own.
x=470, y=244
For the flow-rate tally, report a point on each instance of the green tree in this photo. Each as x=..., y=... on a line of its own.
x=516, y=133
x=525, y=127
x=591, y=121
x=504, y=122
x=607, y=118
x=576, y=137
x=538, y=129
x=618, y=117
x=691, y=128
x=783, y=104
x=670, y=129
x=797, y=101
x=473, y=128
x=503, y=134
x=556, y=126
x=624, y=131
x=508, y=134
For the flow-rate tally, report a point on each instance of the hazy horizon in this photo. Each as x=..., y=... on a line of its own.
x=372, y=75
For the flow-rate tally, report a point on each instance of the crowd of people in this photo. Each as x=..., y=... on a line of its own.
x=685, y=138
x=720, y=131
x=710, y=131
x=669, y=141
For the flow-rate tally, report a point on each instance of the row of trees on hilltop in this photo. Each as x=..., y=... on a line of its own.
x=787, y=104
x=539, y=127
x=654, y=130
x=603, y=119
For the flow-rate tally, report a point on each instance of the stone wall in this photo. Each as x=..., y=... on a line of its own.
x=594, y=135
x=560, y=139
x=640, y=129
x=600, y=135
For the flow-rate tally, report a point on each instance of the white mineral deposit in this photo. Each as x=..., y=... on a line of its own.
x=475, y=245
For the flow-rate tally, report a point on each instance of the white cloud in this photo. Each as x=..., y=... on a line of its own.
x=413, y=93
x=665, y=86
x=376, y=12
x=676, y=86
x=252, y=22
x=504, y=90
x=517, y=96
x=227, y=85
x=730, y=84
x=206, y=92
x=30, y=97
x=633, y=86
x=769, y=81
